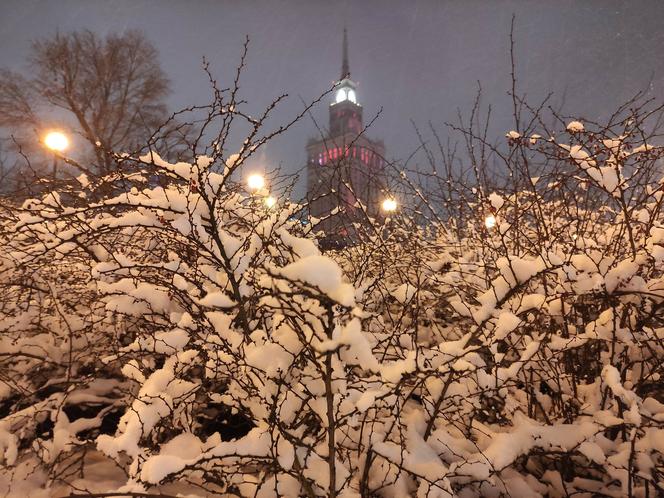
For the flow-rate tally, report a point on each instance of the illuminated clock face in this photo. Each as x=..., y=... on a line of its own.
x=351, y=96
x=341, y=95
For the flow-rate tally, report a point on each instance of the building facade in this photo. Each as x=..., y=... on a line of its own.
x=345, y=168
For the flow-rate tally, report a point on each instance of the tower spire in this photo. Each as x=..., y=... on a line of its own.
x=345, y=70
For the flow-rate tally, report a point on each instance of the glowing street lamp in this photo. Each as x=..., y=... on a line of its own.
x=255, y=181
x=389, y=205
x=490, y=222
x=270, y=201
x=56, y=141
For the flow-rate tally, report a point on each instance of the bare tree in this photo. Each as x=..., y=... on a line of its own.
x=110, y=90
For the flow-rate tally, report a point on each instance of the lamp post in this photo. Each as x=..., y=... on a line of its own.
x=57, y=142
x=389, y=206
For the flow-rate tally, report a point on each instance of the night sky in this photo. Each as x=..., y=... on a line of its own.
x=419, y=60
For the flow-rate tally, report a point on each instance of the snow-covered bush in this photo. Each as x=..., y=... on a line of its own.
x=169, y=322
x=535, y=318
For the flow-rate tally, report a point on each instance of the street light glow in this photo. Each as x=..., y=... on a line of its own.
x=255, y=181
x=56, y=141
x=270, y=201
x=490, y=221
x=389, y=205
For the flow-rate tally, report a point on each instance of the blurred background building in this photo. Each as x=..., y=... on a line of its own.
x=345, y=168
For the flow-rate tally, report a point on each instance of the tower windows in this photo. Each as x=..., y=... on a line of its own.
x=345, y=94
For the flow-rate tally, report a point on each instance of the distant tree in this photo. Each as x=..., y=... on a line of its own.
x=112, y=90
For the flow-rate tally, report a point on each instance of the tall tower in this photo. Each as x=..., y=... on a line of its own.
x=345, y=168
